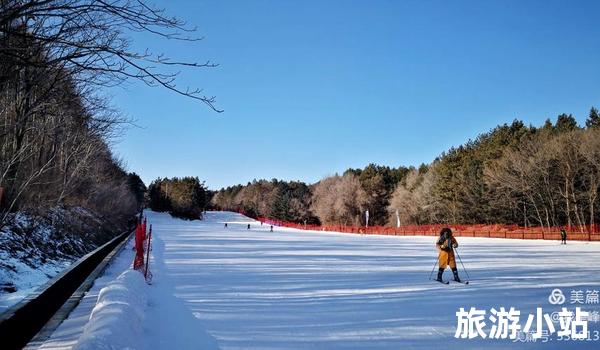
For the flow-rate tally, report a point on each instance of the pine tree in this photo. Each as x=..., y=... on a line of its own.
x=565, y=122
x=280, y=204
x=593, y=120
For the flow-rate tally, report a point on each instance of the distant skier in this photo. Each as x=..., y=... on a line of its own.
x=271, y=228
x=445, y=245
x=563, y=236
x=248, y=226
x=225, y=225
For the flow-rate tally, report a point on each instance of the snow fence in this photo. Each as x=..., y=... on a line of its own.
x=575, y=233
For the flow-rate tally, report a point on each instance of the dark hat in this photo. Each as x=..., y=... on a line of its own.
x=445, y=231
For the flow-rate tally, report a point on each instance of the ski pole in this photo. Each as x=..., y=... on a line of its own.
x=463, y=265
x=434, y=265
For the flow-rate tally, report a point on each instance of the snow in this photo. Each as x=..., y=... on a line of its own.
x=71, y=330
x=24, y=278
x=34, y=248
x=122, y=311
x=233, y=288
x=116, y=320
x=23, y=270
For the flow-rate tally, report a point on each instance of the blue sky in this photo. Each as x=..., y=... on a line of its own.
x=310, y=88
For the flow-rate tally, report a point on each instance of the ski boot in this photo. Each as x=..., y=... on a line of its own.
x=439, y=276
x=456, y=278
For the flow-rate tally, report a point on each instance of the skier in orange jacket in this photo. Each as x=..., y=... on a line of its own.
x=445, y=246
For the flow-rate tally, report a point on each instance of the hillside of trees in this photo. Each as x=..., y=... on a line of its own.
x=513, y=174
x=57, y=58
x=54, y=137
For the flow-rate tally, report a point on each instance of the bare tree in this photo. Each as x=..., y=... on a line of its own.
x=518, y=178
x=414, y=199
x=339, y=200
x=590, y=151
x=88, y=39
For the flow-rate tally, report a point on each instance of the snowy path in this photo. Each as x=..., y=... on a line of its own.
x=293, y=289
x=252, y=289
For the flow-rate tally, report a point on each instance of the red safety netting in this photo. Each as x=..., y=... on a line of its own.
x=578, y=233
x=142, y=248
x=138, y=261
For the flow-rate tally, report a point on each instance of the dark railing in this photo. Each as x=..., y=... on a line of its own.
x=20, y=323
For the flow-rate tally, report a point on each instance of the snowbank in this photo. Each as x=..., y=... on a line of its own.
x=116, y=320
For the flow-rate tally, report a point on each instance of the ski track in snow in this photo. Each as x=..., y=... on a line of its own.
x=253, y=289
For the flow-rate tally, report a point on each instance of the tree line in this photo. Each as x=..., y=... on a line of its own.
x=513, y=174
x=339, y=199
x=275, y=199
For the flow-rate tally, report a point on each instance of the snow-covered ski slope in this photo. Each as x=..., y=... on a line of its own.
x=235, y=288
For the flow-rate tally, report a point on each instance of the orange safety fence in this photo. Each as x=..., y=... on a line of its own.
x=577, y=233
